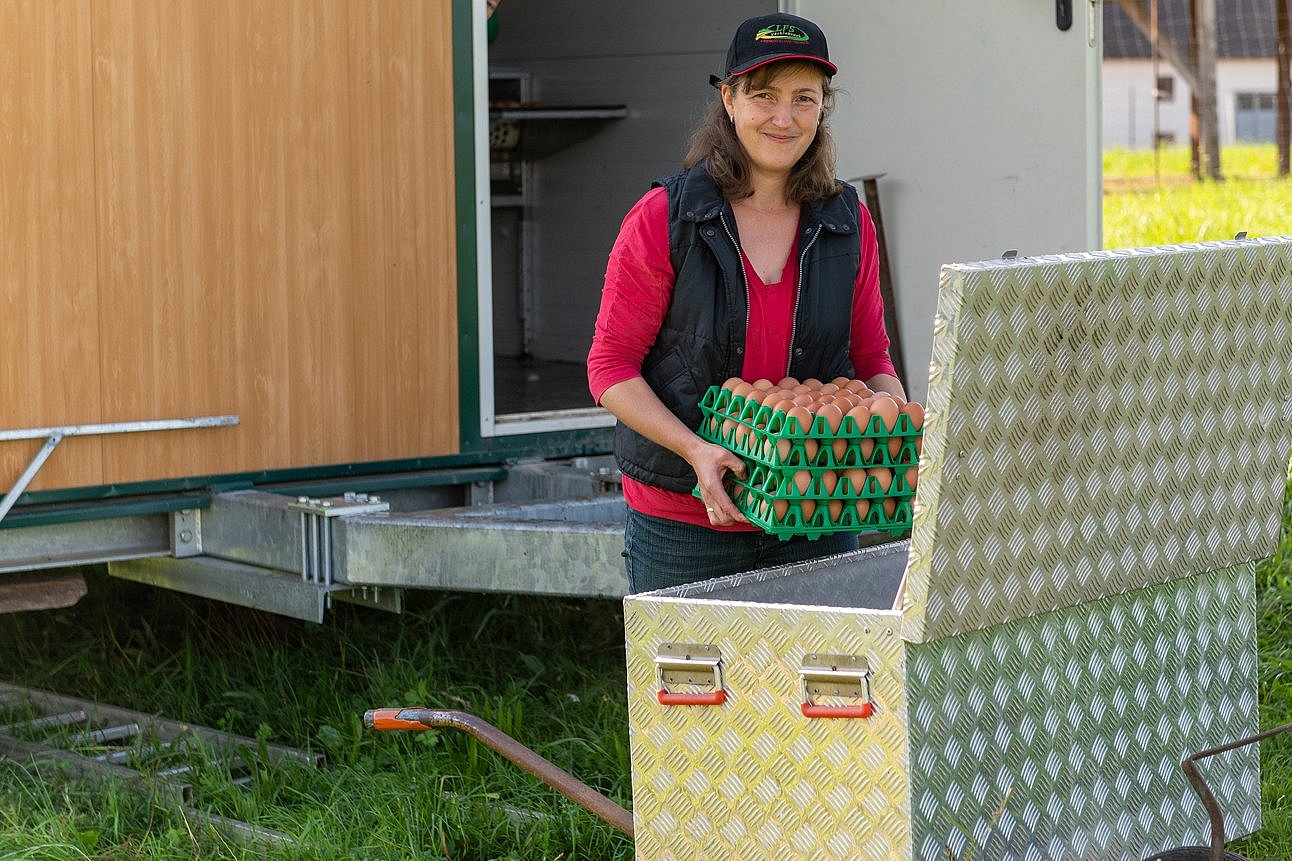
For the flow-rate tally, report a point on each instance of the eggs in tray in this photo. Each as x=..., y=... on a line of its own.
x=820, y=457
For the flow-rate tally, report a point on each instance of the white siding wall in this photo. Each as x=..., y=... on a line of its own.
x=1128, y=99
x=984, y=118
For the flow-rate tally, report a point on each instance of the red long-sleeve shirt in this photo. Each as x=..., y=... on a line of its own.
x=635, y=299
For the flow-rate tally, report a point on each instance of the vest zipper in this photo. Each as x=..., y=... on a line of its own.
x=798, y=296
x=744, y=277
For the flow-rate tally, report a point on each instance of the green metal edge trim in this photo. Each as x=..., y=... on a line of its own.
x=464, y=171
x=19, y=518
x=553, y=444
x=356, y=473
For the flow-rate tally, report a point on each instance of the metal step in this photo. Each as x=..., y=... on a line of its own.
x=44, y=730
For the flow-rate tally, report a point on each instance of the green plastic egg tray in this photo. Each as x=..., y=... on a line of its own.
x=768, y=437
x=775, y=450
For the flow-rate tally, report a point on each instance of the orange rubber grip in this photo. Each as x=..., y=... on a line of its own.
x=394, y=719
x=716, y=698
x=864, y=710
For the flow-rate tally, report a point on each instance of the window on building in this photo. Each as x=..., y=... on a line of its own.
x=1254, y=117
x=1165, y=88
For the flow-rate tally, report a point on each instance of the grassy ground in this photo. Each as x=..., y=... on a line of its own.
x=548, y=671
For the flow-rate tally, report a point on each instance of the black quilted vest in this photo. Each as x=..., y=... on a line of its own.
x=702, y=340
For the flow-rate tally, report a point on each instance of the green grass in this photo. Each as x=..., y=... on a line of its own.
x=1145, y=207
x=548, y=671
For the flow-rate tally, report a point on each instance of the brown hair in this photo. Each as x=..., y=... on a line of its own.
x=714, y=142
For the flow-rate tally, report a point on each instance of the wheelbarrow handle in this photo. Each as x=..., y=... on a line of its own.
x=1214, y=813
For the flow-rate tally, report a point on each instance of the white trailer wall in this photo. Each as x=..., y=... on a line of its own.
x=984, y=118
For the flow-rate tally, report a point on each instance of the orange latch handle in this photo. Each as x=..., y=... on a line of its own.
x=716, y=698
x=394, y=719
x=812, y=710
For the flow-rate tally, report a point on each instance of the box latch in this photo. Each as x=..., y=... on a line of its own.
x=838, y=677
x=689, y=665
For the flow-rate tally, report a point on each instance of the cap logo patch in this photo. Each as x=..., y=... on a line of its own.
x=780, y=33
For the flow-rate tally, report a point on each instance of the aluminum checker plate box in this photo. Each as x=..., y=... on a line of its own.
x=1074, y=613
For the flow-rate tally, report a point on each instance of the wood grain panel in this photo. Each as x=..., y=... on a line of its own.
x=49, y=373
x=401, y=89
x=275, y=222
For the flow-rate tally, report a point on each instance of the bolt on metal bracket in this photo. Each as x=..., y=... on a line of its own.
x=316, y=516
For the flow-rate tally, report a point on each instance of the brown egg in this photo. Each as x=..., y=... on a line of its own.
x=895, y=446
x=803, y=482
x=829, y=388
x=787, y=383
x=780, y=507
x=776, y=400
x=886, y=408
x=863, y=508
x=832, y=414
x=799, y=414
x=914, y=412
x=890, y=507
x=845, y=399
x=731, y=383
x=858, y=387
x=829, y=481
x=861, y=416
x=812, y=383
x=912, y=477
x=803, y=399
x=764, y=384
x=856, y=477
x=741, y=389
x=807, y=508
x=883, y=476
x=836, y=510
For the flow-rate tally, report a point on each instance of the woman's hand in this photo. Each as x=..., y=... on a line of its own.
x=635, y=404
x=711, y=464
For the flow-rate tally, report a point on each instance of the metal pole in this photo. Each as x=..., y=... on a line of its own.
x=495, y=739
x=1283, y=68
x=28, y=474
x=119, y=427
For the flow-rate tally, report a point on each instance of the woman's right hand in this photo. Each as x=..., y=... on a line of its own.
x=635, y=404
x=711, y=464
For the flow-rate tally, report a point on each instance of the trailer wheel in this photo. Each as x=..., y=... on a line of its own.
x=1192, y=853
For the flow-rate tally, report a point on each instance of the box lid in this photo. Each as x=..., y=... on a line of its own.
x=1098, y=423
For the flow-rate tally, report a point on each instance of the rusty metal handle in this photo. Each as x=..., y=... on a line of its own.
x=498, y=741
x=1214, y=813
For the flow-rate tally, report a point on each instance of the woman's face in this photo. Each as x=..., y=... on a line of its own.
x=777, y=121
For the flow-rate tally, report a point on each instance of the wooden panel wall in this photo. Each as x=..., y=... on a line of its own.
x=266, y=229
x=49, y=304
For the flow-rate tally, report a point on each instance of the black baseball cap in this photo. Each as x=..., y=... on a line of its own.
x=770, y=38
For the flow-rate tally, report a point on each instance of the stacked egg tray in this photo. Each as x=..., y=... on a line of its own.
x=777, y=493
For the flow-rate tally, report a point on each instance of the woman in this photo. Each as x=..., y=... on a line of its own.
x=752, y=262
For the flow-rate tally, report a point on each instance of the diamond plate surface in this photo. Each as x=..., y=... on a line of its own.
x=1098, y=423
x=754, y=778
x=1074, y=724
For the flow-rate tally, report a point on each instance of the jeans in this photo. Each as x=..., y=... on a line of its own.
x=661, y=553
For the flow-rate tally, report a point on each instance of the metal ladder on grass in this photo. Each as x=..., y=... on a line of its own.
x=97, y=741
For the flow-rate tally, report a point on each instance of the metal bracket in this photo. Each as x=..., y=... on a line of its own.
x=836, y=676
x=691, y=665
x=186, y=533
x=316, y=529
